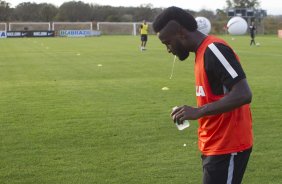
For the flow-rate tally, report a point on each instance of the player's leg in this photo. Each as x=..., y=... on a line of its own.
x=240, y=165
x=142, y=42
x=215, y=169
x=145, y=41
x=253, y=39
x=225, y=169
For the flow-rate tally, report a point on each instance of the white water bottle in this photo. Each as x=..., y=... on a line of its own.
x=182, y=126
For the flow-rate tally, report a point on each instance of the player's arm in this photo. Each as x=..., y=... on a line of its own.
x=239, y=95
x=228, y=71
x=238, y=91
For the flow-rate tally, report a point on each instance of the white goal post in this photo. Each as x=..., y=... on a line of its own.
x=3, y=26
x=29, y=26
x=121, y=28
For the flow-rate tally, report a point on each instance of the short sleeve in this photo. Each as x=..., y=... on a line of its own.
x=222, y=67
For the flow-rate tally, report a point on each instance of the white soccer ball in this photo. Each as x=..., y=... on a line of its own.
x=204, y=25
x=237, y=26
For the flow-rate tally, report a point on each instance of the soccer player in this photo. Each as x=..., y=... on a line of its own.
x=252, y=33
x=225, y=135
x=144, y=35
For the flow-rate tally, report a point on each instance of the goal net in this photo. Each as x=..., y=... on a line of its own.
x=62, y=28
x=121, y=28
x=58, y=26
x=29, y=26
x=3, y=26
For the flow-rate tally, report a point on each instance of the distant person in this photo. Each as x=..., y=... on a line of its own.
x=144, y=28
x=225, y=135
x=252, y=28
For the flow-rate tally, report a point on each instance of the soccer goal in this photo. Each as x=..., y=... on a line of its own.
x=3, y=26
x=58, y=26
x=73, y=28
x=29, y=26
x=120, y=28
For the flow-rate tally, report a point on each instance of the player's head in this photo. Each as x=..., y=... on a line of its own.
x=173, y=26
x=177, y=14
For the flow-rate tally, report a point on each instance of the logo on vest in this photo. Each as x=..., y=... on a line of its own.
x=200, y=91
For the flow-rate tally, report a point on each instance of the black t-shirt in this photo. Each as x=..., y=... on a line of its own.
x=218, y=69
x=252, y=29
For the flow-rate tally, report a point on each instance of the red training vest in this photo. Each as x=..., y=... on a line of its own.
x=222, y=133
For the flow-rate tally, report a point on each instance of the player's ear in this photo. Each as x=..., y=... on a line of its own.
x=182, y=31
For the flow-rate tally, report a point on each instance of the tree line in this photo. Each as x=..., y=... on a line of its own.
x=75, y=11
x=78, y=11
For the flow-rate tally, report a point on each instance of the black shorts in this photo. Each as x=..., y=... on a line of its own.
x=252, y=36
x=144, y=37
x=225, y=169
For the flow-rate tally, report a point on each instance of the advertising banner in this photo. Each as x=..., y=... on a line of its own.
x=14, y=34
x=19, y=34
x=75, y=33
x=3, y=34
x=78, y=33
x=43, y=34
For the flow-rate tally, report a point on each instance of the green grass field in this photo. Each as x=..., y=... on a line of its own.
x=64, y=118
